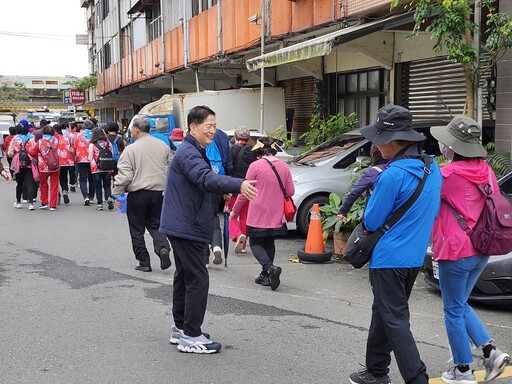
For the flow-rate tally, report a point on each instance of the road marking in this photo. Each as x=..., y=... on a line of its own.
x=480, y=375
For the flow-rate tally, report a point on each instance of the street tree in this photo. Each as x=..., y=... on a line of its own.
x=451, y=24
x=83, y=83
x=12, y=91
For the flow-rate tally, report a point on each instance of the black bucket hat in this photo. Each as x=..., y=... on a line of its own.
x=462, y=136
x=393, y=123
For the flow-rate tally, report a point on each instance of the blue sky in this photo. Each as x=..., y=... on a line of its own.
x=37, y=38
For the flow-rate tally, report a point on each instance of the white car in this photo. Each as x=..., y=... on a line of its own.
x=281, y=153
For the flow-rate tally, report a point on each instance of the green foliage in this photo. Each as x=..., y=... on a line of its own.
x=330, y=220
x=282, y=135
x=324, y=128
x=12, y=91
x=84, y=83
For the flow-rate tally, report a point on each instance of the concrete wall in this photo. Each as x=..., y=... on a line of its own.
x=503, y=132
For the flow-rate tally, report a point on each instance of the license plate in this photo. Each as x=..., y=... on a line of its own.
x=435, y=269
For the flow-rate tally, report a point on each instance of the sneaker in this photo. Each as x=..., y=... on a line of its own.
x=176, y=335
x=263, y=280
x=99, y=207
x=217, y=255
x=72, y=188
x=274, y=274
x=87, y=202
x=454, y=376
x=24, y=201
x=244, y=251
x=31, y=207
x=43, y=206
x=53, y=208
x=240, y=243
x=364, y=376
x=495, y=364
x=199, y=344
x=17, y=205
x=165, y=261
x=65, y=197
x=110, y=203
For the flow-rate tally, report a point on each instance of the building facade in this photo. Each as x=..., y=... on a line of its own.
x=345, y=56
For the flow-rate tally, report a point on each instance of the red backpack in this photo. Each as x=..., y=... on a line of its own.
x=50, y=157
x=492, y=233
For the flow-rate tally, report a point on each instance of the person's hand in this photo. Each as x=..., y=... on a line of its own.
x=341, y=217
x=232, y=215
x=6, y=175
x=248, y=189
x=227, y=197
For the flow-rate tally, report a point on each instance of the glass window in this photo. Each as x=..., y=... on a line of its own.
x=352, y=82
x=373, y=80
x=363, y=79
x=341, y=84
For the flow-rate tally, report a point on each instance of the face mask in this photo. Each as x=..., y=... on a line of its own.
x=447, y=152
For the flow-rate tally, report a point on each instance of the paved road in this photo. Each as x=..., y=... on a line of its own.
x=73, y=310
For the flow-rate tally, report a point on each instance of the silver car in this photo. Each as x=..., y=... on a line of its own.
x=324, y=170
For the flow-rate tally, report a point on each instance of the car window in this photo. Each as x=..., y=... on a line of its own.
x=329, y=149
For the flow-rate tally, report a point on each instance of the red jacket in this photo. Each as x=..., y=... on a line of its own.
x=7, y=141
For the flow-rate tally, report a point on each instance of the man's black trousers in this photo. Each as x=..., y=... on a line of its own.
x=390, y=327
x=143, y=210
x=190, y=286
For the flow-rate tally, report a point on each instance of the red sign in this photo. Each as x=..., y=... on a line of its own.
x=77, y=97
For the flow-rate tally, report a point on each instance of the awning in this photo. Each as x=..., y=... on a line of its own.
x=322, y=45
x=140, y=5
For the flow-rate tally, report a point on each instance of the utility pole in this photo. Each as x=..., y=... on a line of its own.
x=476, y=45
x=262, y=70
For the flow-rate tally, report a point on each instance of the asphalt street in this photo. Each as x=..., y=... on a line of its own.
x=74, y=310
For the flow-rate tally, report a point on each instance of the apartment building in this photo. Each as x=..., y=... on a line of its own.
x=344, y=55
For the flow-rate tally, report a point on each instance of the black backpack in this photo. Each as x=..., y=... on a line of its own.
x=23, y=156
x=105, y=159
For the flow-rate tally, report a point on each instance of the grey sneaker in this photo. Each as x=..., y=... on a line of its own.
x=199, y=344
x=495, y=364
x=365, y=377
x=217, y=255
x=454, y=376
x=240, y=243
x=176, y=334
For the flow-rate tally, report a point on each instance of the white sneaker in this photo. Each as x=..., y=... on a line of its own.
x=31, y=207
x=200, y=344
x=176, y=334
x=17, y=205
x=240, y=243
x=24, y=201
x=495, y=364
x=454, y=376
x=217, y=255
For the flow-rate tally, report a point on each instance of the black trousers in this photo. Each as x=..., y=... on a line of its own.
x=190, y=286
x=143, y=212
x=264, y=250
x=63, y=178
x=86, y=180
x=390, y=327
x=25, y=185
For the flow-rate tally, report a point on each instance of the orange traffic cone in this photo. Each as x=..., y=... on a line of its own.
x=315, y=241
x=314, y=250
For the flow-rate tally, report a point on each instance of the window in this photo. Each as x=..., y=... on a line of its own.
x=199, y=6
x=105, y=8
x=360, y=92
x=106, y=57
x=153, y=19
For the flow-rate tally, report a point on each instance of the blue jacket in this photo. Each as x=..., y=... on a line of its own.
x=187, y=210
x=404, y=245
x=222, y=141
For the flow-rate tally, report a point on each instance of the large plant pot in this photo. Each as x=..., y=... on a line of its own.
x=339, y=240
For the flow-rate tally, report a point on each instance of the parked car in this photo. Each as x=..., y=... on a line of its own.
x=6, y=121
x=494, y=286
x=281, y=153
x=323, y=170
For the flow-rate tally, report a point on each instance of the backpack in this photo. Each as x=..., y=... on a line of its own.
x=492, y=233
x=50, y=157
x=105, y=160
x=23, y=156
x=115, y=149
x=213, y=154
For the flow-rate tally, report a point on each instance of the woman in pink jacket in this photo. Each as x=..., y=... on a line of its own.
x=265, y=216
x=459, y=263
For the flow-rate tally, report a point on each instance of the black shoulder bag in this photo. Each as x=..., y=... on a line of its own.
x=361, y=243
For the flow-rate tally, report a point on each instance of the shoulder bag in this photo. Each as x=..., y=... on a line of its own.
x=361, y=243
x=289, y=206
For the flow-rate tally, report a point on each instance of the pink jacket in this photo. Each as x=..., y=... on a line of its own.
x=459, y=189
x=267, y=209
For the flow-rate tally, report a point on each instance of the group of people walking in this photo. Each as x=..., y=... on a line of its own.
x=177, y=198
x=52, y=158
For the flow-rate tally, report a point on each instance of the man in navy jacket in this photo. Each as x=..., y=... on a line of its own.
x=187, y=220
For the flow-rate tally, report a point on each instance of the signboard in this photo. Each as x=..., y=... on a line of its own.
x=77, y=97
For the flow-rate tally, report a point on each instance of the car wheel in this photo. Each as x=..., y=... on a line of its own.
x=303, y=214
